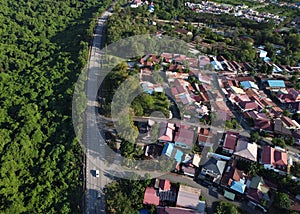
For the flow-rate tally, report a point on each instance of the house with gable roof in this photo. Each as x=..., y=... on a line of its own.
x=275, y=84
x=166, y=132
x=258, y=190
x=288, y=96
x=275, y=159
x=289, y=123
x=204, y=137
x=248, y=105
x=151, y=196
x=184, y=137
x=230, y=141
x=245, y=150
x=280, y=129
x=188, y=197
x=213, y=169
x=248, y=84
x=234, y=179
x=265, y=125
x=170, y=151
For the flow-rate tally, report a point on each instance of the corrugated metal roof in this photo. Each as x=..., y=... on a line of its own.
x=229, y=195
x=276, y=83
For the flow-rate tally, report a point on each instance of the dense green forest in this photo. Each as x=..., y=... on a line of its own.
x=43, y=48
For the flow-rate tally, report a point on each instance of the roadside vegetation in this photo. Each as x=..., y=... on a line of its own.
x=43, y=48
x=126, y=196
x=224, y=207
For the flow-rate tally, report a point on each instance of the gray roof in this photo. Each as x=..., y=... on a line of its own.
x=217, y=166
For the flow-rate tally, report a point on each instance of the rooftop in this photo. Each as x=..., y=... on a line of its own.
x=276, y=83
x=185, y=136
x=215, y=165
x=246, y=150
x=188, y=197
x=274, y=157
x=150, y=196
x=230, y=140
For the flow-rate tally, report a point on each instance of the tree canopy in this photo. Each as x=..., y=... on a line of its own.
x=226, y=207
x=43, y=48
x=126, y=196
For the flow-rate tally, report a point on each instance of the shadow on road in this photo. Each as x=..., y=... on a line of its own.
x=93, y=172
x=213, y=192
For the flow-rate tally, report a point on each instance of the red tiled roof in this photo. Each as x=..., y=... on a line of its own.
x=150, y=196
x=267, y=102
x=274, y=157
x=233, y=175
x=172, y=68
x=166, y=131
x=164, y=184
x=154, y=59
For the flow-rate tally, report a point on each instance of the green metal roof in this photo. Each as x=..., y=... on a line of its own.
x=229, y=195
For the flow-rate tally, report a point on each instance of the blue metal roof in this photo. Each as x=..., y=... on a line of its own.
x=276, y=83
x=248, y=84
x=267, y=59
x=144, y=211
x=168, y=148
x=178, y=155
x=238, y=186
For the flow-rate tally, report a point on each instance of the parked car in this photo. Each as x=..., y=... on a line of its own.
x=97, y=174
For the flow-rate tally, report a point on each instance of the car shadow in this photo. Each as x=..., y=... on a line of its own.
x=93, y=172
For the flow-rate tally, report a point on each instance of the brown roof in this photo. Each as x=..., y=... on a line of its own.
x=185, y=136
x=264, y=124
x=230, y=140
x=180, y=89
x=188, y=197
x=280, y=129
x=248, y=105
x=287, y=121
x=248, y=78
x=204, y=135
x=251, y=92
x=174, y=91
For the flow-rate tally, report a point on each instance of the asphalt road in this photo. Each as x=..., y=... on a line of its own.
x=95, y=202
